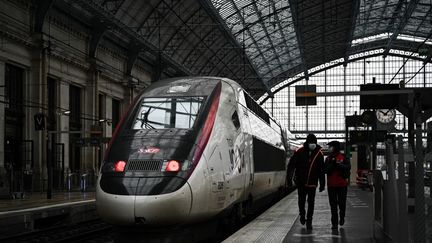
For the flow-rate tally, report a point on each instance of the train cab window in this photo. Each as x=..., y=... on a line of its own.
x=235, y=119
x=162, y=113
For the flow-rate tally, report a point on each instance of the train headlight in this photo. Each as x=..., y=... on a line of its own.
x=119, y=166
x=171, y=166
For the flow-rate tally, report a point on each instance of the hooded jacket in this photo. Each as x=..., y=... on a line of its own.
x=337, y=168
x=308, y=166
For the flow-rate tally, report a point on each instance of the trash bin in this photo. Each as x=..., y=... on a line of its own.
x=84, y=181
x=69, y=181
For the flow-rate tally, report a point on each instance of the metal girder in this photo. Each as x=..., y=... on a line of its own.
x=355, y=9
x=133, y=53
x=365, y=24
x=158, y=69
x=178, y=30
x=274, y=13
x=112, y=5
x=42, y=9
x=429, y=57
x=382, y=14
x=201, y=40
x=109, y=19
x=147, y=18
x=253, y=41
x=294, y=8
x=161, y=11
x=99, y=30
x=192, y=31
x=395, y=14
x=424, y=18
x=408, y=12
x=207, y=5
x=267, y=35
x=278, y=22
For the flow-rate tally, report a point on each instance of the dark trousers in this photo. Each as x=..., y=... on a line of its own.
x=337, y=197
x=308, y=192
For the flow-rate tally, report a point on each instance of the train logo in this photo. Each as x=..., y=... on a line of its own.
x=149, y=150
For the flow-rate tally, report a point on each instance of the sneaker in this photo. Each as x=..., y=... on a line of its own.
x=334, y=227
x=309, y=226
x=302, y=220
x=341, y=221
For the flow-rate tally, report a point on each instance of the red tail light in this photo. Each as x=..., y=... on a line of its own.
x=172, y=166
x=208, y=126
x=119, y=166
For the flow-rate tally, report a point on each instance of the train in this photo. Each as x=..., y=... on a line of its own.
x=188, y=150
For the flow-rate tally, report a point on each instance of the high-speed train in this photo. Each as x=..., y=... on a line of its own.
x=190, y=149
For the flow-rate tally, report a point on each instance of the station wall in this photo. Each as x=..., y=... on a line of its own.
x=60, y=53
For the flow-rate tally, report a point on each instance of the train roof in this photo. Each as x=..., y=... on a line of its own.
x=184, y=86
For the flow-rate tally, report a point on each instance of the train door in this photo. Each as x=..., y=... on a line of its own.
x=27, y=153
x=58, y=164
x=247, y=165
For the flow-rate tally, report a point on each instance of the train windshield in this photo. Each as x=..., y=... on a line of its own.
x=162, y=113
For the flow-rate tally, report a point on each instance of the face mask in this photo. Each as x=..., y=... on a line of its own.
x=312, y=146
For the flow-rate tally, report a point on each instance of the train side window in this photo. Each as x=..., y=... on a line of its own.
x=235, y=119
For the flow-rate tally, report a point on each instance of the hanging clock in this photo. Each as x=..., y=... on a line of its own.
x=385, y=115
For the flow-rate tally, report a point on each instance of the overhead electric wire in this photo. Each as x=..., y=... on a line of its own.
x=406, y=60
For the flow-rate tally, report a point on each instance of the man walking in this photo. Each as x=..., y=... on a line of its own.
x=308, y=162
x=338, y=170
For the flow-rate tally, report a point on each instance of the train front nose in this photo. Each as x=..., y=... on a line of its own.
x=145, y=181
x=155, y=210
x=165, y=209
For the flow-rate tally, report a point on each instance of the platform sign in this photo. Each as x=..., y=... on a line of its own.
x=305, y=95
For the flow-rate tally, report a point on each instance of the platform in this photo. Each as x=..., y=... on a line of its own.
x=281, y=223
x=36, y=212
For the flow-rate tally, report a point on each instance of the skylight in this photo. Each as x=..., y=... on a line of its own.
x=266, y=30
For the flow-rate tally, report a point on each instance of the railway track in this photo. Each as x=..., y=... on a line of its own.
x=88, y=231
x=96, y=231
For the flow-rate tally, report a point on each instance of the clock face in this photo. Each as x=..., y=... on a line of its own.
x=385, y=115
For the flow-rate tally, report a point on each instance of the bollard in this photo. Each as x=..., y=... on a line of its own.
x=69, y=182
x=83, y=182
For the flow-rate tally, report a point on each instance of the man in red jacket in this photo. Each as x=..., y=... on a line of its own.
x=337, y=168
x=308, y=162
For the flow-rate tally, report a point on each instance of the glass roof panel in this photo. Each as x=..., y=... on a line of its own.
x=419, y=23
x=374, y=17
x=267, y=31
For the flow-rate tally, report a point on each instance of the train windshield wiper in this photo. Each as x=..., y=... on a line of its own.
x=145, y=121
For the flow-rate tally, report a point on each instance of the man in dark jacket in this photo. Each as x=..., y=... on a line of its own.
x=308, y=162
x=337, y=168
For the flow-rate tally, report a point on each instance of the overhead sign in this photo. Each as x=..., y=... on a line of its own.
x=379, y=101
x=96, y=131
x=305, y=95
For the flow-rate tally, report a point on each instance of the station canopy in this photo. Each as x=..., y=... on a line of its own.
x=263, y=43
